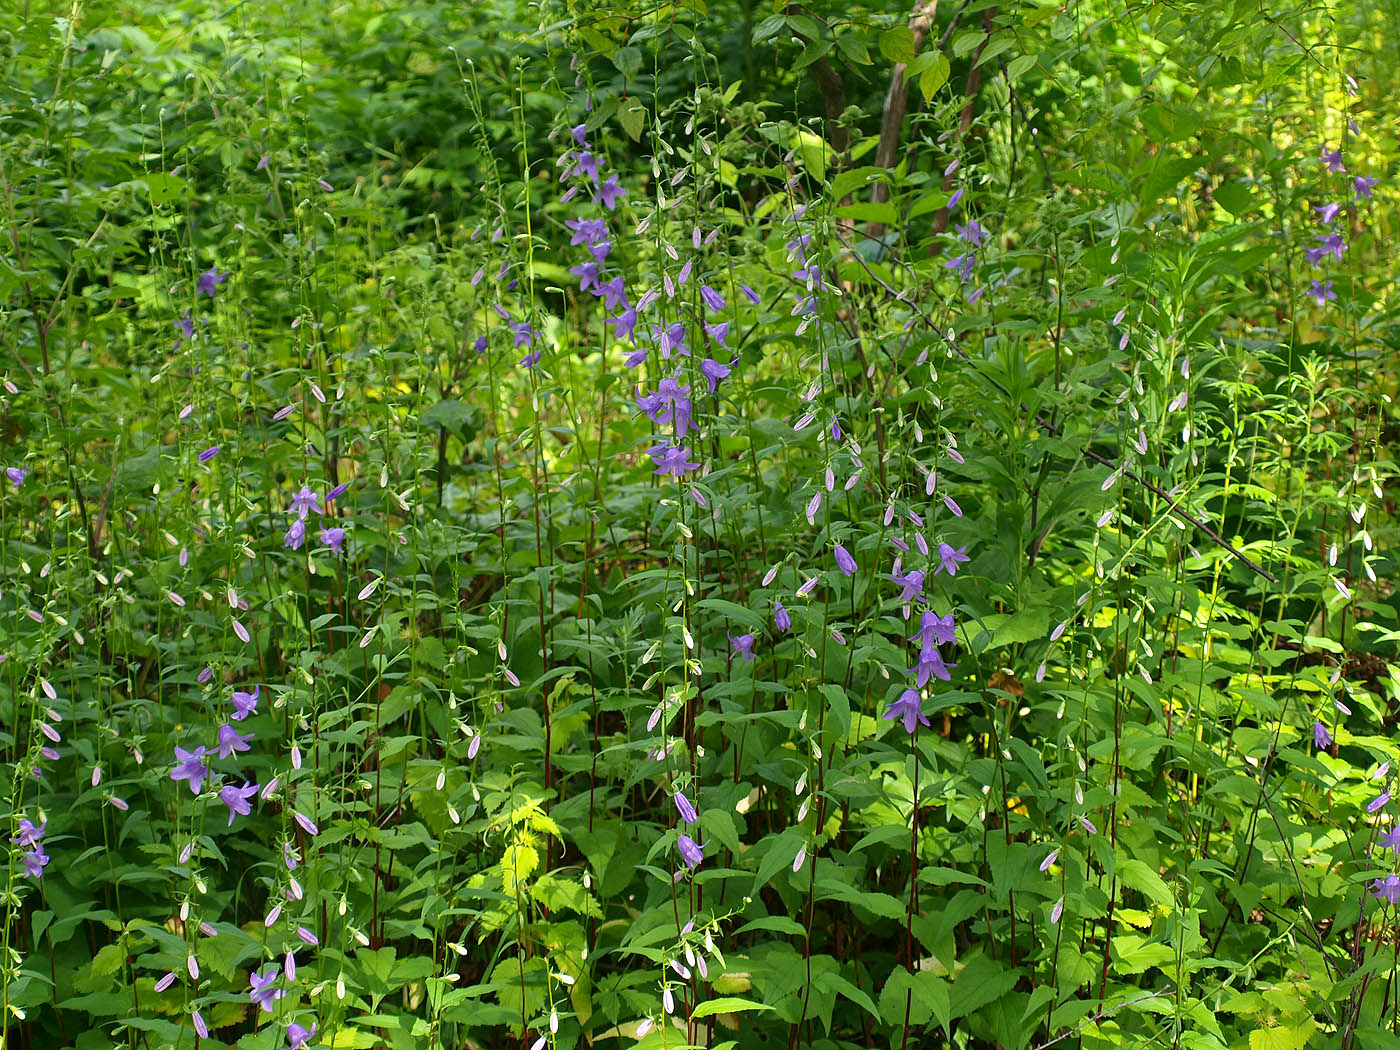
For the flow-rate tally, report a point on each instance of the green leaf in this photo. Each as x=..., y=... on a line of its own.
x=451, y=415
x=1019, y=65
x=999, y=44
x=886, y=213
x=934, y=77
x=897, y=44
x=814, y=152
x=834, y=982
x=376, y=967
x=768, y=28
x=632, y=116
x=981, y=981
x=740, y=614
x=108, y=960
x=726, y=1005
x=925, y=995
x=967, y=42
x=853, y=179
x=1137, y=875
x=628, y=61
x=1134, y=954
x=557, y=893
x=852, y=45
x=776, y=852
x=776, y=923
x=882, y=904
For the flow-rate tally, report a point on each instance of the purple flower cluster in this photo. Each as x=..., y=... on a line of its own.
x=670, y=405
x=31, y=840
x=971, y=236
x=1330, y=242
x=303, y=503
x=583, y=166
x=194, y=768
x=1387, y=889
x=934, y=631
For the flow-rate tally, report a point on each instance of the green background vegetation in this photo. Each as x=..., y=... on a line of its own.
x=461, y=702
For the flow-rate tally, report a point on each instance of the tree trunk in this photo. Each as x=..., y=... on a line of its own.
x=896, y=102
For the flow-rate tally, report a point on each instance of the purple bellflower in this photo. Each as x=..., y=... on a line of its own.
x=1326, y=213
x=625, y=323
x=236, y=799
x=334, y=538
x=244, y=704
x=613, y=293
x=948, y=558
x=190, y=765
x=1321, y=292
x=29, y=836
x=692, y=852
x=781, y=619
x=587, y=274
x=670, y=460
x=913, y=584
x=930, y=665
x=610, y=193
x=973, y=233
x=685, y=809
x=298, y=1037
x=34, y=862
x=304, y=502
x=209, y=280
x=714, y=302
x=934, y=630
x=844, y=561
x=962, y=265
x=230, y=741
x=263, y=993
x=907, y=707
x=1387, y=889
x=713, y=372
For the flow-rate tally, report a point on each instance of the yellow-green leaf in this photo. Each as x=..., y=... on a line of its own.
x=897, y=44
x=727, y=1005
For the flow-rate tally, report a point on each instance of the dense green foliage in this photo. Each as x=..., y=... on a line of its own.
x=393, y=636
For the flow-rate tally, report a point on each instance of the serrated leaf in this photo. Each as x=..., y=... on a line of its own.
x=981, y=981
x=518, y=864
x=556, y=893
x=1137, y=875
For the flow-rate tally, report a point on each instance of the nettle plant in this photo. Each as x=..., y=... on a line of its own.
x=720, y=593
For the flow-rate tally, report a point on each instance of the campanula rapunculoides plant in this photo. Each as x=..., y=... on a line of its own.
x=714, y=525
